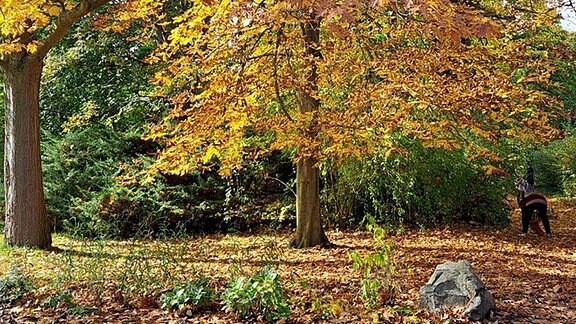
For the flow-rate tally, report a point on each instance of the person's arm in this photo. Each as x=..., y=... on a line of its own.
x=520, y=198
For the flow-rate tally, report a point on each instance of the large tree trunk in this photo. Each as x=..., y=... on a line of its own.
x=309, y=231
x=26, y=221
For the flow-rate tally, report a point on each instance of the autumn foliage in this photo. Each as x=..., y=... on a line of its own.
x=21, y=19
x=439, y=72
x=327, y=81
x=324, y=81
x=36, y=25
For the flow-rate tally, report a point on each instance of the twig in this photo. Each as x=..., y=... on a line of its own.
x=285, y=185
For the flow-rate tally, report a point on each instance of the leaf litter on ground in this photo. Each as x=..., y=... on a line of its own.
x=532, y=278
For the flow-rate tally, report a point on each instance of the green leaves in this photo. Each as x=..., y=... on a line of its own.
x=376, y=286
x=194, y=294
x=13, y=285
x=259, y=295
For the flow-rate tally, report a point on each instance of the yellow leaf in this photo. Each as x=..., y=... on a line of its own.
x=211, y=151
x=492, y=170
x=388, y=153
x=53, y=11
x=31, y=48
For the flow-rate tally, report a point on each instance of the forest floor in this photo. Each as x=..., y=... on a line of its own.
x=533, y=279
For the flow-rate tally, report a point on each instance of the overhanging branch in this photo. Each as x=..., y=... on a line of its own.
x=65, y=21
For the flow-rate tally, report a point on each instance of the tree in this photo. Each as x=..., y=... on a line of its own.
x=28, y=30
x=330, y=80
x=95, y=75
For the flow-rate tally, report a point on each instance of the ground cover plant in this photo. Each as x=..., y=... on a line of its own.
x=94, y=281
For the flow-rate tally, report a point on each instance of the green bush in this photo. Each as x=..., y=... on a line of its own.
x=258, y=296
x=77, y=166
x=555, y=167
x=423, y=187
x=13, y=285
x=195, y=294
x=85, y=199
x=548, y=173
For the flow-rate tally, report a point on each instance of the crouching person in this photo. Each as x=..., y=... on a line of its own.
x=534, y=206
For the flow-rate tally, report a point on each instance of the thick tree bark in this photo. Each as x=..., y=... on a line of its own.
x=309, y=231
x=26, y=222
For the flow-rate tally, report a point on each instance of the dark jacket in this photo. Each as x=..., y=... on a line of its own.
x=530, y=175
x=531, y=203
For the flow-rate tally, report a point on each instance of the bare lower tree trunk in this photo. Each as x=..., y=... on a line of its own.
x=309, y=231
x=26, y=219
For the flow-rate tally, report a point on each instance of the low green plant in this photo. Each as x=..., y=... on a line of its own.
x=327, y=308
x=80, y=310
x=255, y=296
x=59, y=299
x=144, y=272
x=195, y=294
x=377, y=269
x=14, y=285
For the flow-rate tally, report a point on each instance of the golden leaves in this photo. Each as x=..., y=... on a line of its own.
x=238, y=71
x=19, y=19
x=492, y=170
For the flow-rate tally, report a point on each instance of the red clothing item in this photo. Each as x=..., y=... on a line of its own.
x=535, y=226
x=533, y=198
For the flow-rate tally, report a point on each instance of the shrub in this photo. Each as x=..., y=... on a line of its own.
x=195, y=294
x=259, y=295
x=425, y=186
x=77, y=167
x=555, y=167
x=84, y=198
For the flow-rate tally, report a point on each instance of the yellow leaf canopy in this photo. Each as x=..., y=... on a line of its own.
x=434, y=71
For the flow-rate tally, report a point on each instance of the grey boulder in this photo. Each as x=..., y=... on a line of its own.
x=456, y=285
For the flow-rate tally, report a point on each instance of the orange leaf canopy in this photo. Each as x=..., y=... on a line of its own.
x=432, y=70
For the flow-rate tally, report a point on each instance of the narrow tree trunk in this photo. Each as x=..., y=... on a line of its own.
x=309, y=231
x=26, y=221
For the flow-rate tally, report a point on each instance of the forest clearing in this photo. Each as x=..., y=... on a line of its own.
x=285, y=161
x=532, y=278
